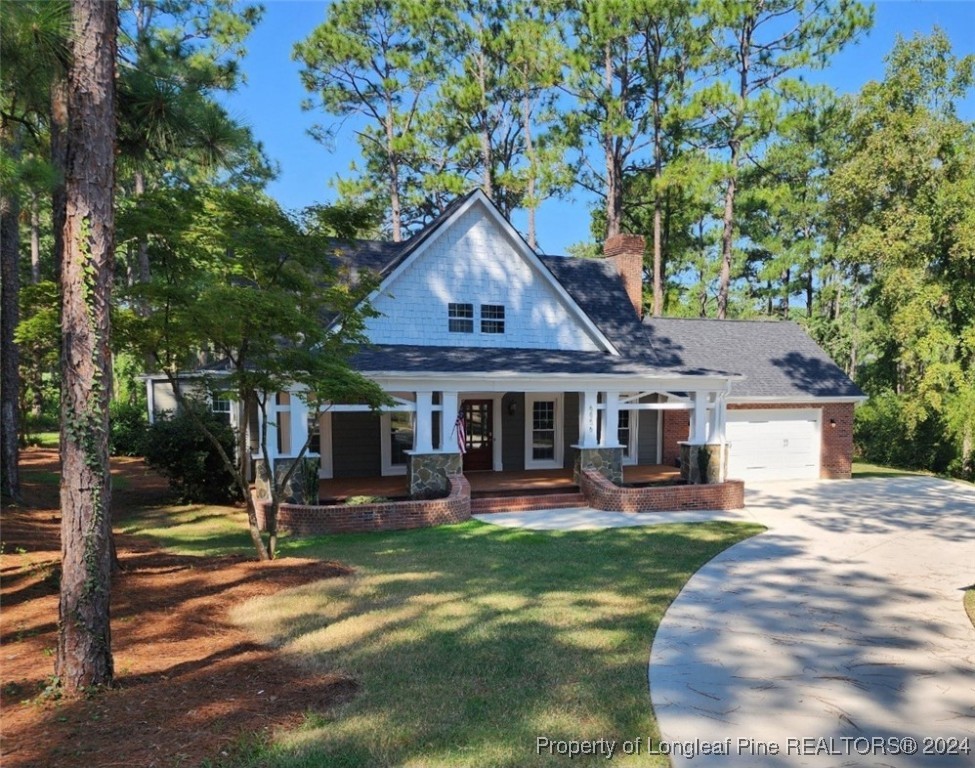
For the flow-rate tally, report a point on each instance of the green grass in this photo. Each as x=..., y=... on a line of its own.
x=862, y=469
x=44, y=477
x=468, y=642
x=193, y=529
x=44, y=439
x=970, y=604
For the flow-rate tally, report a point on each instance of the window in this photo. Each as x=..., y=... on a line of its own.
x=460, y=318
x=220, y=407
x=492, y=318
x=623, y=432
x=543, y=431
x=401, y=437
x=396, y=437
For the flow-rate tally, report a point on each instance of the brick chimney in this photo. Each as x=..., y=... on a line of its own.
x=626, y=251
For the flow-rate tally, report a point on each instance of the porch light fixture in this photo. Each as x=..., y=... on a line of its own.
x=832, y=423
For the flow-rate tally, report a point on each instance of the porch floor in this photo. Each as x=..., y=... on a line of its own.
x=527, y=481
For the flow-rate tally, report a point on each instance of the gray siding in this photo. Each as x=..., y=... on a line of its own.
x=513, y=432
x=356, y=448
x=648, y=449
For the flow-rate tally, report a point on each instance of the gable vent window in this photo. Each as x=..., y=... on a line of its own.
x=492, y=318
x=460, y=318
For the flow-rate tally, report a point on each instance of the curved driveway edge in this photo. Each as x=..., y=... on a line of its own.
x=830, y=640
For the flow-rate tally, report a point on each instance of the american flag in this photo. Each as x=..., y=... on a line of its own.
x=461, y=429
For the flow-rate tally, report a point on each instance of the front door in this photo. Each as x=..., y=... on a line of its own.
x=479, y=424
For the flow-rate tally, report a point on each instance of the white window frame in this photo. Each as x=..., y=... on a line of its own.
x=406, y=404
x=630, y=457
x=530, y=399
x=451, y=317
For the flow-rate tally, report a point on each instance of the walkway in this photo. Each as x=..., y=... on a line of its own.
x=840, y=626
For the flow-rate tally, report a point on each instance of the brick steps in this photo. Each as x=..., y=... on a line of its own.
x=489, y=504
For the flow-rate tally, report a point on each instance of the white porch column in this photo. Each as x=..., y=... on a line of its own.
x=611, y=421
x=716, y=427
x=271, y=406
x=299, y=424
x=448, y=417
x=423, y=428
x=588, y=418
x=699, y=418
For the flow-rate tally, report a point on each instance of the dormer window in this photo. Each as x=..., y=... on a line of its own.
x=492, y=318
x=460, y=318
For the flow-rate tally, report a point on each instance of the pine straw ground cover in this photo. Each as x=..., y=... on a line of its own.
x=191, y=684
x=444, y=647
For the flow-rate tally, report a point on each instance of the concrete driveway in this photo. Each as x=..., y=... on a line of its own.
x=837, y=638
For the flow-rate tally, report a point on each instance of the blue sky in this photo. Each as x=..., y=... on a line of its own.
x=271, y=100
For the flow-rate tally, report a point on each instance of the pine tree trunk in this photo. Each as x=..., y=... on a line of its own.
x=59, y=160
x=84, y=654
x=9, y=316
x=727, y=235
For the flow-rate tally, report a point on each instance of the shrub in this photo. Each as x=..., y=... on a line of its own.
x=882, y=434
x=128, y=429
x=177, y=448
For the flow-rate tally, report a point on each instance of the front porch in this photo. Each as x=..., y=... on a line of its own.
x=486, y=484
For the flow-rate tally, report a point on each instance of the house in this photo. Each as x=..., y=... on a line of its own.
x=540, y=362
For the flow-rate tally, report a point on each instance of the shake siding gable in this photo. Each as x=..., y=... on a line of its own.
x=474, y=261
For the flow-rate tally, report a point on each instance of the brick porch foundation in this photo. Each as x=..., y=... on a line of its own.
x=602, y=494
x=315, y=520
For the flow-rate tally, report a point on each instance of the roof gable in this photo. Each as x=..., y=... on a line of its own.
x=473, y=256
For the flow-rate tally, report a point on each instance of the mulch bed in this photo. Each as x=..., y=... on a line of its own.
x=189, y=684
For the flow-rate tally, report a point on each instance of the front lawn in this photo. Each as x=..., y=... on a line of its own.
x=465, y=644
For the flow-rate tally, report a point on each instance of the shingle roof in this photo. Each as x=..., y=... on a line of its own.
x=776, y=358
x=414, y=359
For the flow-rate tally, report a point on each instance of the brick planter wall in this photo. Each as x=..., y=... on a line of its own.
x=314, y=520
x=602, y=494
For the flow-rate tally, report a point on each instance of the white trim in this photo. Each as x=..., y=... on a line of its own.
x=151, y=399
x=326, y=469
x=797, y=399
x=530, y=399
x=634, y=445
x=521, y=247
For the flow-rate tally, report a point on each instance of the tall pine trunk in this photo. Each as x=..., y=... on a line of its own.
x=727, y=235
x=9, y=315
x=84, y=654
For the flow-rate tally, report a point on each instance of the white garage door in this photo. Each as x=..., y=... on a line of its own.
x=773, y=444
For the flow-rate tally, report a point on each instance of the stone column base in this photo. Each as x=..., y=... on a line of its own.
x=302, y=488
x=606, y=461
x=703, y=464
x=427, y=473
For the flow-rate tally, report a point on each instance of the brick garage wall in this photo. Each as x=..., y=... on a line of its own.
x=602, y=494
x=314, y=520
x=836, y=454
x=676, y=427
x=836, y=445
